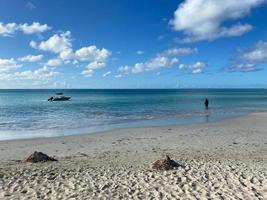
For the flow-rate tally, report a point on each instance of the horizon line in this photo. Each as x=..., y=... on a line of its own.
x=130, y=88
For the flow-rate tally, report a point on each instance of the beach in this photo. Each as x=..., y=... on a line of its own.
x=219, y=160
x=133, y=100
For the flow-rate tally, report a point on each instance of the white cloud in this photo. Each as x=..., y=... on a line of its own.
x=36, y=75
x=195, y=68
x=8, y=64
x=96, y=65
x=31, y=58
x=92, y=53
x=7, y=30
x=203, y=19
x=179, y=51
x=57, y=43
x=165, y=59
x=243, y=67
x=54, y=62
x=88, y=72
x=155, y=63
x=39, y=74
x=66, y=54
x=75, y=62
x=107, y=74
x=35, y=27
x=249, y=59
x=124, y=69
x=5, y=76
x=61, y=44
x=118, y=76
x=97, y=58
x=150, y=65
x=256, y=54
x=33, y=44
x=234, y=31
x=139, y=52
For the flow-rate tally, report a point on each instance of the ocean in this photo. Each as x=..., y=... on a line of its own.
x=28, y=114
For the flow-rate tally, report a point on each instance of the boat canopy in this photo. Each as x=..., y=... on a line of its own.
x=59, y=93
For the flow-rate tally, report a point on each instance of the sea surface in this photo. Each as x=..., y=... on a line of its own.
x=28, y=114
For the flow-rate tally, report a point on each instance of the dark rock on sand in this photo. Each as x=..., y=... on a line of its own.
x=39, y=157
x=165, y=164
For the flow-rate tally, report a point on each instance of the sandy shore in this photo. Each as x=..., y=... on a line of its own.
x=223, y=160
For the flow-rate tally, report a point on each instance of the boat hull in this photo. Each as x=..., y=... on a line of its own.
x=61, y=99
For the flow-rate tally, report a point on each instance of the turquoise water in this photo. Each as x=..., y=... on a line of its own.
x=27, y=113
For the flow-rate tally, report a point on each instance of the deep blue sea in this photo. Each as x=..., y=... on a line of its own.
x=28, y=114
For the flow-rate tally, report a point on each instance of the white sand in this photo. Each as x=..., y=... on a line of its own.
x=224, y=160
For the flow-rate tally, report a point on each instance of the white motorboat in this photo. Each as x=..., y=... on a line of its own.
x=59, y=97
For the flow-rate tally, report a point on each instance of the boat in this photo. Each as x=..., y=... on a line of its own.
x=59, y=97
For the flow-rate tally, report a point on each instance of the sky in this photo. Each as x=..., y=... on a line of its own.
x=133, y=44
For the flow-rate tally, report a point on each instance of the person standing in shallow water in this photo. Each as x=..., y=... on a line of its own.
x=206, y=104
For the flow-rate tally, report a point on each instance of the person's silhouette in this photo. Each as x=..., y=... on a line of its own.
x=206, y=104
x=50, y=99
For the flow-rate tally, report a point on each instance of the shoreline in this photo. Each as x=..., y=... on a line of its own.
x=120, y=133
x=132, y=125
x=129, y=128
x=224, y=159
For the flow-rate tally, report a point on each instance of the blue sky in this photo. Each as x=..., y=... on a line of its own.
x=133, y=44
